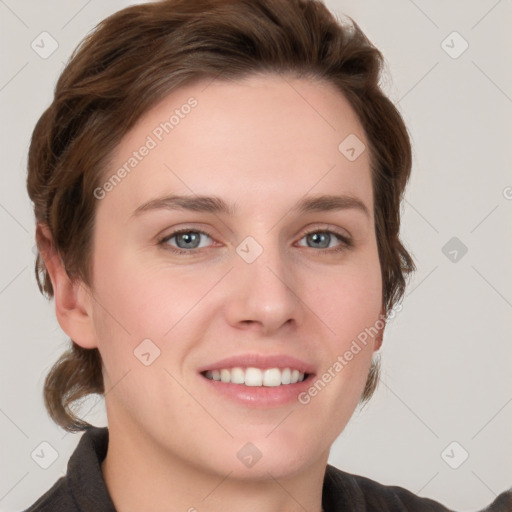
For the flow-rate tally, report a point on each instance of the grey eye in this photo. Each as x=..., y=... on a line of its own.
x=320, y=239
x=188, y=240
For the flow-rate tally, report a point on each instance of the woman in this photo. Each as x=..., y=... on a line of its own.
x=217, y=188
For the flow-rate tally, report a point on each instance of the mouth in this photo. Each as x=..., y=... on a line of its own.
x=258, y=380
x=257, y=377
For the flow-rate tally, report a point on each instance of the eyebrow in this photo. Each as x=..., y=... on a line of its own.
x=216, y=205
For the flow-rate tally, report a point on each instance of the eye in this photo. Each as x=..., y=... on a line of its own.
x=325, y=239
x=185, y=240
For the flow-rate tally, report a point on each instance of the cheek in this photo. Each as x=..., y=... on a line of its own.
x=126, y=303
x=123, y=284
x=137, y=301
x=349, y=300
x=349, y=305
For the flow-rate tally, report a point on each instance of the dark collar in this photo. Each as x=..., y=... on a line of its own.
x=86, y=483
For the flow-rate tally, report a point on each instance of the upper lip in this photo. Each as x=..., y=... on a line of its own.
x=260, y=361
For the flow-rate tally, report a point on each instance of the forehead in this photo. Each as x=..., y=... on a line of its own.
x=256, y=139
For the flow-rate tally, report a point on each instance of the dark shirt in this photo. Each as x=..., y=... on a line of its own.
x=83, y=488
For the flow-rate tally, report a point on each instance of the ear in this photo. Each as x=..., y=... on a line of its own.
x=378, y=339
x=72, y=297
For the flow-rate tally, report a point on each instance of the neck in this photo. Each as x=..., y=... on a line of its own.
x=140, y=475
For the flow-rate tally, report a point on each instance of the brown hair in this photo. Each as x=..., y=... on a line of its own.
x=136, y=57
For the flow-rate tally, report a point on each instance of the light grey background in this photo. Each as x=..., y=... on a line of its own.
x=446, y=356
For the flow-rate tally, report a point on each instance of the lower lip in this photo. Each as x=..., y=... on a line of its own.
x=260, y=396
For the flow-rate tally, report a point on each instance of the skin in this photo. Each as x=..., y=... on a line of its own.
x=261, y=143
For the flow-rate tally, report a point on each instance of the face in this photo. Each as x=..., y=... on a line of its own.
x=241, y=237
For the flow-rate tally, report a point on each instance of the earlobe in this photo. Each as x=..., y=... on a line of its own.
x=72, y=298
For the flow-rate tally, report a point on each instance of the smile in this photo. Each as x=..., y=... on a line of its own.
x=250, y=376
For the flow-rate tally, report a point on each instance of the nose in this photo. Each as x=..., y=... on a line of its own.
x=264, y=296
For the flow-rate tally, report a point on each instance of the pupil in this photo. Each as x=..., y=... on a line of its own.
x=321, y=239
x=187, y=240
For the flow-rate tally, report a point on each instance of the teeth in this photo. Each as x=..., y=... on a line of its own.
x=270, y=377
x=286, y=376
x=253, y=377
x=237, y=376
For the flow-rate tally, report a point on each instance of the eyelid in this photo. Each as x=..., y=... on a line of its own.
x=328, y=228
x=345, y=240
x=166, y=238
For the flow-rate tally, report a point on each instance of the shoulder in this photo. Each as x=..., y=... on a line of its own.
x=360, y=494
x=55, y=499
x=83, y=487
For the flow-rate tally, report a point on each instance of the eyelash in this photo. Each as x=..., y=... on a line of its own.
x=346, y=242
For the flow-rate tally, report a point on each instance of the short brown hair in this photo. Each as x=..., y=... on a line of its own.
x=140, y=54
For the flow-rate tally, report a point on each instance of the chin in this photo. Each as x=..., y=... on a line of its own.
x=265, y=457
